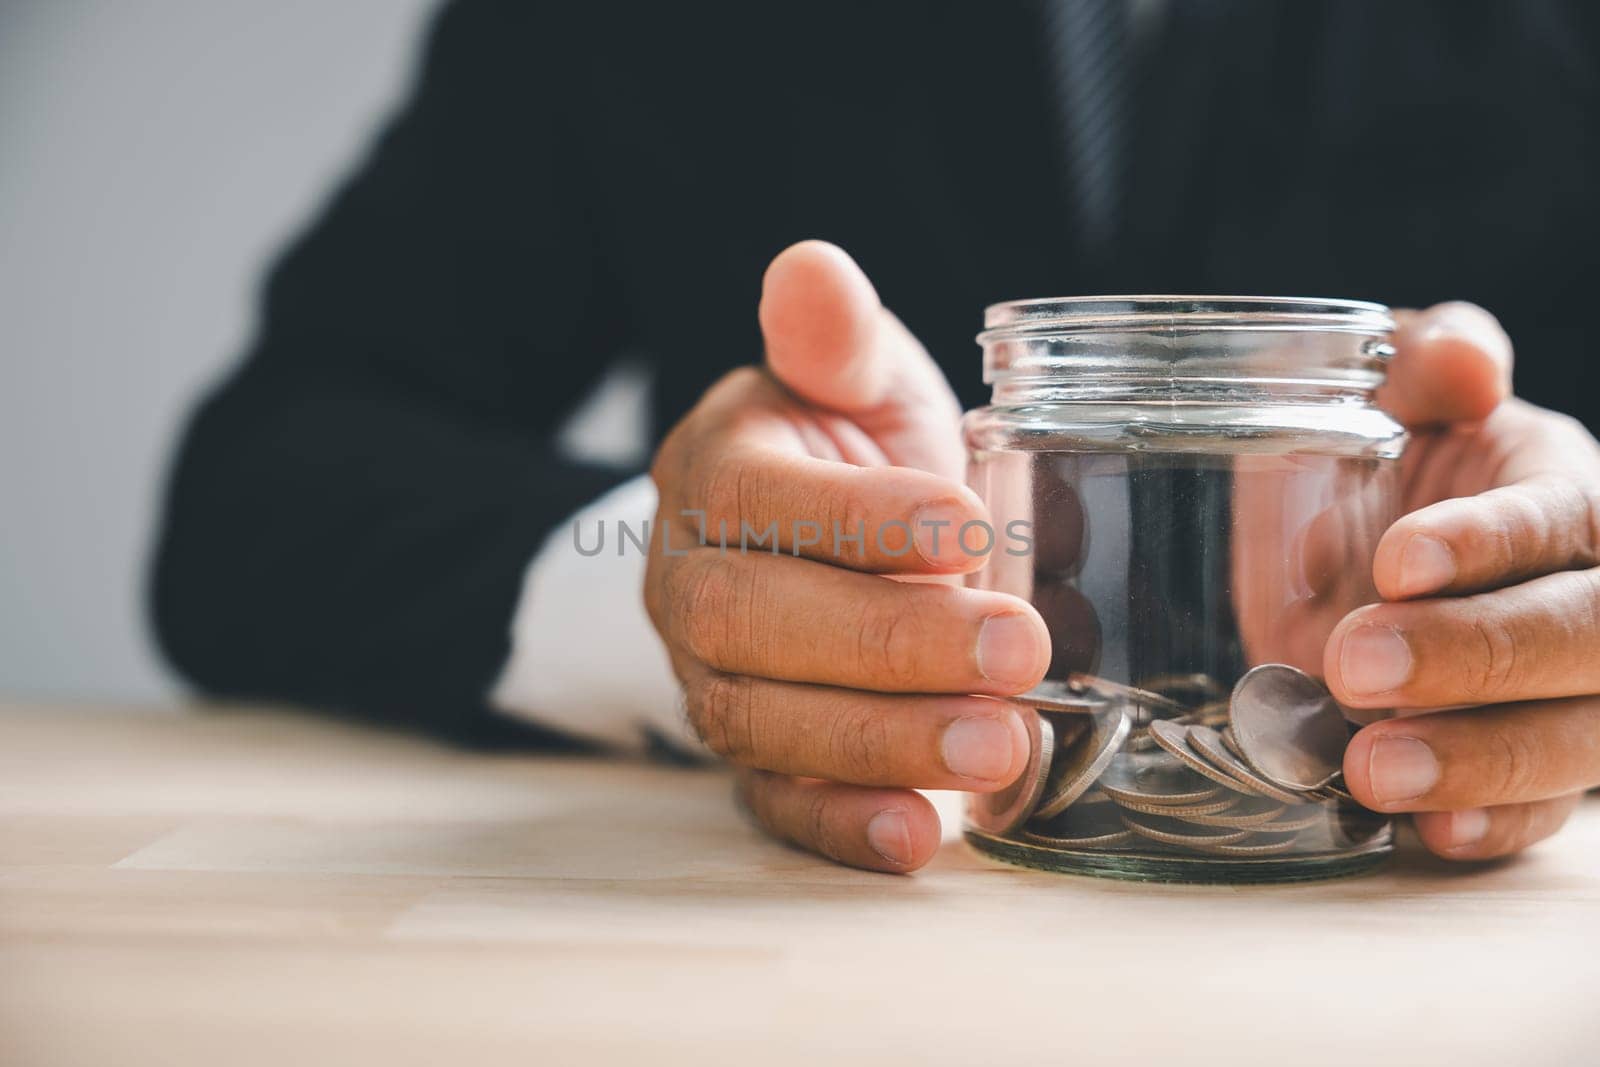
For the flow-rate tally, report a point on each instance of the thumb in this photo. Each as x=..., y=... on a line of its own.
x=831, y=342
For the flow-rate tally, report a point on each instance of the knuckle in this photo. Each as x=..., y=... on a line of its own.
x=705, y=598
x=664, y=464
x=1588, y=625
x=1513, y=760
x=739, y=384
x=1557, y=519
x=820, y=830
x=1498, y=664
x=888, y=643
x=1518, y=528
x=675, y=456
x=1510, y=511
x=693, y=458
x=859, y=744
x=722, y=712
x=856, y=520
x=727, y=487
x=742, y=379
x=1589, y=525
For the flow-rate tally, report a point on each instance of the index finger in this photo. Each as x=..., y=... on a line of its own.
x=888, y=520
x=1502, y=536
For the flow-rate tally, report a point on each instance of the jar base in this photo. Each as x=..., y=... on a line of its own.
x=1138, y=866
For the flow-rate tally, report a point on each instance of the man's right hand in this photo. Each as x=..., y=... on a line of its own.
x=836, y=690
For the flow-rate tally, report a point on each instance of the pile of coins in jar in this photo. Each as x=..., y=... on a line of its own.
x=1178, y=765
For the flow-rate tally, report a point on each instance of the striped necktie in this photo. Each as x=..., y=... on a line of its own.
x=1089, y=53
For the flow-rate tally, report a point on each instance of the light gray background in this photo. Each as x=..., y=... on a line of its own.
x=153, y=154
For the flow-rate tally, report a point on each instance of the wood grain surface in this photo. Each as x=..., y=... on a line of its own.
x=248, y=887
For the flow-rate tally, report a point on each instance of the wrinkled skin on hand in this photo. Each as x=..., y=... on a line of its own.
x=838, y=681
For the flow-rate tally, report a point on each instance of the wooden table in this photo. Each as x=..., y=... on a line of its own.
x=265, y=888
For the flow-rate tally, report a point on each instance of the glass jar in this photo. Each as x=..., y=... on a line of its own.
x=1195, y=487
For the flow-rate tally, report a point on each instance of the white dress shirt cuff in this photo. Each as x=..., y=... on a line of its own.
x=585, y=659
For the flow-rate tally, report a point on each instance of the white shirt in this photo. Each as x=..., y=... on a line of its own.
x=585, y=659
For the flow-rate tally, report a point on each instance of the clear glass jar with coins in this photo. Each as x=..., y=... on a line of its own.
x=1193, y=489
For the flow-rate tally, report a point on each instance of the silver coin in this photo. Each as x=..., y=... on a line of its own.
x=1078, y=828
x=1243, y=815
x=1107, y=840
x=1338, y=791
x=1186, y=812
x=1154, y=778
x=1289, y=726
x=1171, y=832
x=1002, y=812
x=1066, y=728
x=1080, y=764
x=1208, y=745
x=1297, y=819
x=1174, y=738
x=1231, y=742
x=1246, y=849
x=1064, y=697
x=1093, y=796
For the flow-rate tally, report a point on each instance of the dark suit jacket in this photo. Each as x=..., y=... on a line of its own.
x=351, y=511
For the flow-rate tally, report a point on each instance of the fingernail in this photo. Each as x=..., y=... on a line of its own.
x=938, y=528
x=1426, y=565
x=1401, y=768
x=1007, y=651
x=1375, y=659
x=1467, y=827
x=977, y=747
x=890, y=836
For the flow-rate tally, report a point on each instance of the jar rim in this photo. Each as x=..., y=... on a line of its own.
x=1163, y=312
